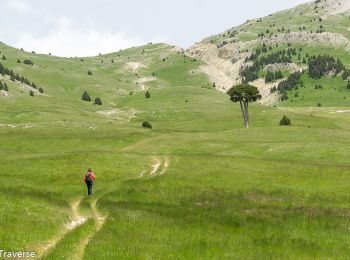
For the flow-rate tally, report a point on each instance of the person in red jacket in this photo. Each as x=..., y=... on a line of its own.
x=89, y=180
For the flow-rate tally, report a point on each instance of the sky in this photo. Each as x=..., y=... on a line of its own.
x=89, y=27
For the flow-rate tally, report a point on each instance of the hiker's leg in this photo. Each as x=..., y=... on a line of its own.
x=91, y=188
x=88, y=187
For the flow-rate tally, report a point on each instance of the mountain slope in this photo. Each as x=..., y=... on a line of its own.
x=316, y=28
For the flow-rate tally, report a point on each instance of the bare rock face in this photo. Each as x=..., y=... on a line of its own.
x=332, y=7
x=292, y=67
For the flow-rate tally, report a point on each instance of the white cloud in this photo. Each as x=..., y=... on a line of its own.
x=67, y=40
x=19, y=7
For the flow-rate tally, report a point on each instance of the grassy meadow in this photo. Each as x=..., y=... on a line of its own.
x=196, y=186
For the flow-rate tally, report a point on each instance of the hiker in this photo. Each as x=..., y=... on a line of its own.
x=89, y=180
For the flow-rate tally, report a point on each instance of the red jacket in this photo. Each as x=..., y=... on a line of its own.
x=92, y=176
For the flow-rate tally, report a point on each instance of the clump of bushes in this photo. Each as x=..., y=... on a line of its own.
x=98, y=102
x=147, y=94
x=86, y=97
x=322, y=65
x=31, y=93
x=146, y=124
x=285, y=121
x=89, y=73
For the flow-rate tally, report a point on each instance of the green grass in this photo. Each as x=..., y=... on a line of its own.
x=267, y=192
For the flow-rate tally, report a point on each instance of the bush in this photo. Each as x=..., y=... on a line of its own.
x=28, y=62
x=86, y=97
x=3, y=57
x=146, y=124
x=147, y=94
x=31, y=93
x=319, y=105
x=89, y=73
x=41, y=90
x=98, y=102
x=6, y=88
x=285, y=121
x=18, y=61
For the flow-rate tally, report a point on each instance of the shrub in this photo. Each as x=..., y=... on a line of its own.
x=28, y=62
x=285, y=121
x=31, y=93
x=3, y=57
x=146, y=124
x=319, y=105
x=18, y=61
x=147, y=94
x=89, y=73
x=98, y=102
x=86, y=97
x=6, y=88
x=41, y=90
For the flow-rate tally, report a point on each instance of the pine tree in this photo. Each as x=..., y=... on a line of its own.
x=147, y=94
x=98, y=102
x=86, y=97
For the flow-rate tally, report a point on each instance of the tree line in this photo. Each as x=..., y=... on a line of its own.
x=16, y=77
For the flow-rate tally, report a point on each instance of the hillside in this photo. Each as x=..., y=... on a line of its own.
x=196, y=185
x=312, y=29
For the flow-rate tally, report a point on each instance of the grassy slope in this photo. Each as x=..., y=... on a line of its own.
x=266, y=192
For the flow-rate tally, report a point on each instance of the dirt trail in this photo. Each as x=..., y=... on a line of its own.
x=157, y=168
x=99, y=222
x=76, y=221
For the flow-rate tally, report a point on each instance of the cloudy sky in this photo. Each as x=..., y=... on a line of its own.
x=88, y=27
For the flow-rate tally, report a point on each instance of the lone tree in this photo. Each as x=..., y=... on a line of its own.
x=244, y=94
x=147, y=94
x=86, y=97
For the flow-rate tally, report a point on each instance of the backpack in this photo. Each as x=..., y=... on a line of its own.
x=88, y=177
